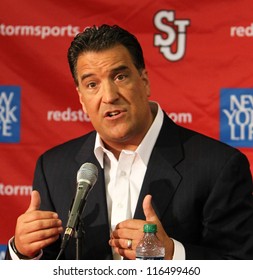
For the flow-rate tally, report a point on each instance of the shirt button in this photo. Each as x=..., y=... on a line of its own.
x=123, y=173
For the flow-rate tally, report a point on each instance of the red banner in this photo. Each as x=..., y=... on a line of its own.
x=198, y=55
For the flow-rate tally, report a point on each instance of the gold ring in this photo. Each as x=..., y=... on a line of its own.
x=129, y=243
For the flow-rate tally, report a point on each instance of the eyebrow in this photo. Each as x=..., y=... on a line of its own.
x=114, y=70
x=120, y=68
x=85, y=76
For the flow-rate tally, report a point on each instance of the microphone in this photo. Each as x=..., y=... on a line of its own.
x=86, y=179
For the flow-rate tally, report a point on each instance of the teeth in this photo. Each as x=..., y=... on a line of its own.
x=113, y=114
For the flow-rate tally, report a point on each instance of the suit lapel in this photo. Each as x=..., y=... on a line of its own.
x=161, y=178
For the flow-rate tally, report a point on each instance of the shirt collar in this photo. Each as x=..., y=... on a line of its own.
x=146, y=146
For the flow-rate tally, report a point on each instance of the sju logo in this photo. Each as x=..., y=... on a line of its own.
x=9, y=114
x=175, y=30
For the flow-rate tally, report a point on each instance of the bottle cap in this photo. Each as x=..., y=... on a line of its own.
x=150, y=228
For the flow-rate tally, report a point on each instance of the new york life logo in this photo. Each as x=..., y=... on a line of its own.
x=2, y=251
x=9, y=114
x=236, y=117
x=173, y=44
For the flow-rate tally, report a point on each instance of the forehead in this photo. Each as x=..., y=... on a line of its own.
x=104, y=60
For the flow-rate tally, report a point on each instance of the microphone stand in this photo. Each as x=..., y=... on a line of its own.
x=79, y=235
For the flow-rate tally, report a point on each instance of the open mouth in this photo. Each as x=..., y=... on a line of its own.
x=112, y=114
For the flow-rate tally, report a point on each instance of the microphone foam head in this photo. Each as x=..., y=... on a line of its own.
x=89, y=172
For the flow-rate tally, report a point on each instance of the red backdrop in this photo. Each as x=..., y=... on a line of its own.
x=198, y=55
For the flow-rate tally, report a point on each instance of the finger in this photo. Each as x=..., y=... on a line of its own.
x=130, y=224
x=123, y=243
x=148, y=209
x=125, y=233
x=41, y=234
x=32, y=249
x=35, y=201
x=43, y=224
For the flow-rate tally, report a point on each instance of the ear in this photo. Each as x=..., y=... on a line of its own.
x=145, y=79
x=81, y=100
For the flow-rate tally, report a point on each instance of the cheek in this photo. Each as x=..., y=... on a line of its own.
x=81, y=100
x=90, y=107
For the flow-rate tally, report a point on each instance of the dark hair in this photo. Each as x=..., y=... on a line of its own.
x=102, y=38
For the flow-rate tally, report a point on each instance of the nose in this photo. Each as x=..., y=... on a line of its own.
x=110, y=92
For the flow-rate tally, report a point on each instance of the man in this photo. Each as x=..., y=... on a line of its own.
x=197, y=190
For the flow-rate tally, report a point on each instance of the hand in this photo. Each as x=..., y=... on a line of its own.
x=36, y=229
x=132, y=229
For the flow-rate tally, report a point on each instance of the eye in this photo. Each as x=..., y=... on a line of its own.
x=121, y=77
x=91, y=85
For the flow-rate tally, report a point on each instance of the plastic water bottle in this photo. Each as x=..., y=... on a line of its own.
x=150, y=247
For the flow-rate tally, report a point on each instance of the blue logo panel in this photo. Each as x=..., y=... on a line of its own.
x=2, y=251
x=9, y=114
x=236, y=117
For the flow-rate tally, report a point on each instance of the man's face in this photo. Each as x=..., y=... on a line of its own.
x=115, y=96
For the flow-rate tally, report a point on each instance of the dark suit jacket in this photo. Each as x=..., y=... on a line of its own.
x=201, y=188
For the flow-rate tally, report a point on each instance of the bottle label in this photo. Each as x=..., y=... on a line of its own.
x=149, y=258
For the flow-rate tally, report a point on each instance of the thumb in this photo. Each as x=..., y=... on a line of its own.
x=148, y=209
x=35, y=201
